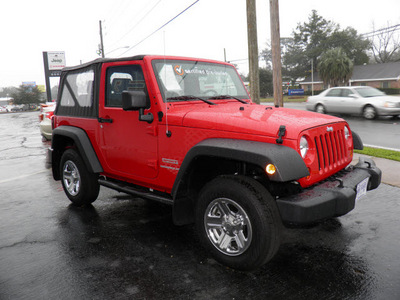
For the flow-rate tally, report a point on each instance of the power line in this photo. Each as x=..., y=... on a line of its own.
x=138, y=22
x=394, y=27
x=364, y=35
x=183, y=11
x=382, y=30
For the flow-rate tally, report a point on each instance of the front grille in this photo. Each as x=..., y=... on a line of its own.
x=331, y=150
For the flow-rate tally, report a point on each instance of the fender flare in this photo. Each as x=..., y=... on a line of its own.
x=357, y=142
x=288, y=162
x=82, y=143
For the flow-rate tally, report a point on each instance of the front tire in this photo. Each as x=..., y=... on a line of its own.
x=369, y=112
x=80, y=185
x=238, y=222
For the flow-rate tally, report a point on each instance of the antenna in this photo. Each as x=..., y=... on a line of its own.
x=167, y=132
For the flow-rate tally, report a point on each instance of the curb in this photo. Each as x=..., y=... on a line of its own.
x=390, y=169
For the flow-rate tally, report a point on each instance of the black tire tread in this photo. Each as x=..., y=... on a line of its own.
x=89, y=181
x=264, y=206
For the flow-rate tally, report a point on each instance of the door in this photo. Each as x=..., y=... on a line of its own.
x=129, y=146
x=333, y=100
x=350, y=103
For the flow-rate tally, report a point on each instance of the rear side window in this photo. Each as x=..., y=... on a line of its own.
x=346, y=92
x=123, y=78
x=334, y=93
x=77, y=94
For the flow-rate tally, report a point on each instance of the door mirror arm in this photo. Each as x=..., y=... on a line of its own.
x=147, y=118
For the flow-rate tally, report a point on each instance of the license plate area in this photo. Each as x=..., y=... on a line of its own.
x=362, y=188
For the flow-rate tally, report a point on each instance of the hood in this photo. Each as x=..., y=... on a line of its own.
x=252, y=119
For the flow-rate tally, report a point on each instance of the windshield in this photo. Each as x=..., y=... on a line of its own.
x=369, y=92
x=181, y=80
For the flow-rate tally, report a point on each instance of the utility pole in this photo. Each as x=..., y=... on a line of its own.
x=253, y=50
x=312, y=77
x=101, y=40
x=276, y=52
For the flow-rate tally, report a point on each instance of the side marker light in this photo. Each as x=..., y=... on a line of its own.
x=270, y=169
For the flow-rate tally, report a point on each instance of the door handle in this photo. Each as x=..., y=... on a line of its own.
x=103, y=120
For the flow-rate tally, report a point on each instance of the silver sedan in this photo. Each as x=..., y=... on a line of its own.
x=361, y=100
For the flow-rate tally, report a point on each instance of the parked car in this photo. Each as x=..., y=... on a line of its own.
x=46, y=112
x=3, y=109
x=361, y=100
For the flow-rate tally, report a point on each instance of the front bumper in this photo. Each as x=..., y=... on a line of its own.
x=332, y=198
x=388, y=111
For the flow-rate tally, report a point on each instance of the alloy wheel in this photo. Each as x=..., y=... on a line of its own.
x=71, y=178
x=228, y=226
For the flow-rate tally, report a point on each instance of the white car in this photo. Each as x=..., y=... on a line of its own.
x=46, y=112
x=355, y=100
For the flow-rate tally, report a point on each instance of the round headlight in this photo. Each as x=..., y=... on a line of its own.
x=303, y=146
x=346, y=132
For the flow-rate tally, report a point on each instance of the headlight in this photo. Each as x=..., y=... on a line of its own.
x=303, y=146
x=390, y=104
x=346, y=132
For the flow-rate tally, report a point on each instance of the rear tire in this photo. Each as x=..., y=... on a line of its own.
x=320, y=109
x=80, y=185
x=238, y=222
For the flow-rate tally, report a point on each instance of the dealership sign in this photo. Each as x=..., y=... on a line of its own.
x=53, y=62
x=56, y=60
x=296, y=92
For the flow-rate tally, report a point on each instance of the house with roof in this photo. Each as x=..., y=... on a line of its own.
x=384, y=76
x=4, y=101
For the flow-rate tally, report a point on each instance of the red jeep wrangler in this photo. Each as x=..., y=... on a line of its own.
x=184, y=131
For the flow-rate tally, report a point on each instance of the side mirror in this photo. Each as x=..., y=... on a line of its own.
x=133, y=100
x=136, y=100
x=352, y=95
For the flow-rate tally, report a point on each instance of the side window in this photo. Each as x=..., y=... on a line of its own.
x=333, y=93
x=123, y=78
x=346, y=92
x=77, y=94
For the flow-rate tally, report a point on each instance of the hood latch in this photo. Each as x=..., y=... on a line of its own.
x=281, y=134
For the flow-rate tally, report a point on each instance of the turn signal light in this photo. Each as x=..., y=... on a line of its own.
x=270, y=169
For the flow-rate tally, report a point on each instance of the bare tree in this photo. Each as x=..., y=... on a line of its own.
x=385, y=43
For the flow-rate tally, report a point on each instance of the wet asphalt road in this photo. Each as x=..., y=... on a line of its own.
x=127, y=248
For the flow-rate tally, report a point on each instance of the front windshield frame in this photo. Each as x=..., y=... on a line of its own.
x=367, y=92
x=186, y=80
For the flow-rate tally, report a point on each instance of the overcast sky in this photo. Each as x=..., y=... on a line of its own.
x=29, y=27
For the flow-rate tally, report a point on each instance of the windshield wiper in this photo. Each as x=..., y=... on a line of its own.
x=220, y=97
x=187, y=98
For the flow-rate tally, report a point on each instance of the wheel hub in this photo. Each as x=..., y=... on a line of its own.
x=232, y=224
x=228, y=227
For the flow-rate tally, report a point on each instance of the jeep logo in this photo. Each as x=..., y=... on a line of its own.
x=329, y=129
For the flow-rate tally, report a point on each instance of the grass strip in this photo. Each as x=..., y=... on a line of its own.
x=286, y=99
x=382, y=153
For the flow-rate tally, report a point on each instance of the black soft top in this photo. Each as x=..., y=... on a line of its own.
x=101, y=61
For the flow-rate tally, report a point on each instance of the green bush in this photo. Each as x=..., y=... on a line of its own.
x=390, y=91
x=308, y=93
